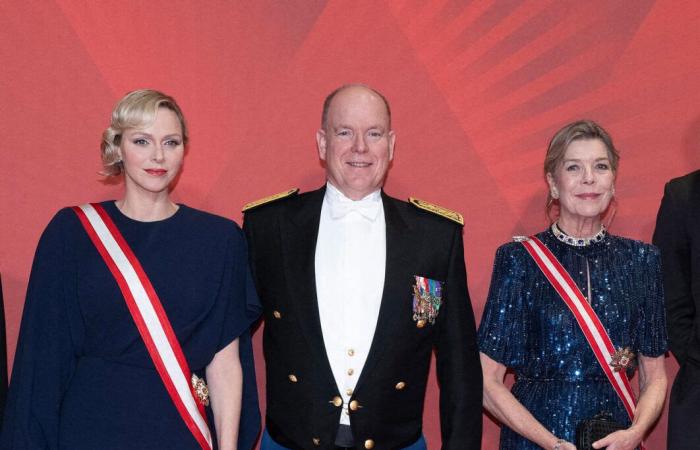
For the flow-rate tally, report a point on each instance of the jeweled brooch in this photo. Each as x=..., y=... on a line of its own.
x=622, y=359
x=199, y=386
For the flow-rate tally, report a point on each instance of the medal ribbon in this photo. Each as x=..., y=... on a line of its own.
x=588, y=320
x=150, y=317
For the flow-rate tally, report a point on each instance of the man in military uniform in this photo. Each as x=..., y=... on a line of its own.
x=358, y=288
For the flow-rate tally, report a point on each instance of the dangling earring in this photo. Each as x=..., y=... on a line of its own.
x=612, y=191
x=555, y=193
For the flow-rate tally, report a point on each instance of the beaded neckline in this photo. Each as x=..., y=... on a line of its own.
x=578, y=242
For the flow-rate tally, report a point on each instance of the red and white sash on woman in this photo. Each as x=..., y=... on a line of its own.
x=590, y=324
x=149, y=316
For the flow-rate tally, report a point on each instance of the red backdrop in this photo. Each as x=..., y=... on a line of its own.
x=477, y=89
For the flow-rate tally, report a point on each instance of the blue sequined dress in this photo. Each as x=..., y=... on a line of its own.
x=527, y=327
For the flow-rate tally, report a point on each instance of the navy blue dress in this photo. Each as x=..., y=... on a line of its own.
x=528, y=328
x=82, y=377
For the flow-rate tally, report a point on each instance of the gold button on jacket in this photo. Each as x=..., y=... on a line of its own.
x=369, y=444
x=292, y=378
x=276, y=314
x=337, y=401
x=400, y=385
x=354, y=405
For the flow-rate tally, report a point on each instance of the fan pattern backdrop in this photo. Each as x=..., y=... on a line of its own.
x=477, y=88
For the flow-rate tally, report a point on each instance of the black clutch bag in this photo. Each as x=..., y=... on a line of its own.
x=590, y=430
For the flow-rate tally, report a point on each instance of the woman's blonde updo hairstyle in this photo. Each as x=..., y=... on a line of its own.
x=137, y=109
x=579, y=130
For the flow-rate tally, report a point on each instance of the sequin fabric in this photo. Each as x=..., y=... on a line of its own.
x=528, y=328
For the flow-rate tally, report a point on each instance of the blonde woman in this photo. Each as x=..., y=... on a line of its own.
x=135, y=331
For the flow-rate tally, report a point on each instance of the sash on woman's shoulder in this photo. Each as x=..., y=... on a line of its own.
x=611, y=361
x=187, y=392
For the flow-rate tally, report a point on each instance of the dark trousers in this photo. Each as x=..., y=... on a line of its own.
x=684, y=409
x=268, y=444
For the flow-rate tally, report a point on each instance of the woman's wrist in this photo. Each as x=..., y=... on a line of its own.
x=558, y=444
x=637, y=431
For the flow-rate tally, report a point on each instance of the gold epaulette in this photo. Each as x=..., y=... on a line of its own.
x=439, y=210
x=271, y=198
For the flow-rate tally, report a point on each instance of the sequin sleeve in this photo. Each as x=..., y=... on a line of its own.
x=504, y=324
x=652, y=336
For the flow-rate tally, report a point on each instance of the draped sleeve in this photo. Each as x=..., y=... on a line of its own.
x=243, y=306
x=503, y=331
x=243, y=310
x=48, y=341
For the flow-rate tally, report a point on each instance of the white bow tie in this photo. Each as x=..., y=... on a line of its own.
x=368, y=208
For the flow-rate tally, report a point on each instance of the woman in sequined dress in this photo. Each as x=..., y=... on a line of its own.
x=526, y=327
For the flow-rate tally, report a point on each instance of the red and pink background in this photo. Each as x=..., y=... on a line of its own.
x=477, y=89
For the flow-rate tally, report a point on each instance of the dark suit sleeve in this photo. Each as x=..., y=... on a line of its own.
x=458, y=367
x=672, y=239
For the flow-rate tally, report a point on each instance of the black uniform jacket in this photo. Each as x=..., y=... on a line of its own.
x=301, y=412
x=677, y=235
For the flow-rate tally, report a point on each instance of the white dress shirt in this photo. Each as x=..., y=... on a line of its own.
x=350, y=264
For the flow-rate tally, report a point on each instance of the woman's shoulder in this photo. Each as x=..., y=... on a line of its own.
x=512, y=252
x=208, y=218
x=210, y=225
x=63, y=219
x=633, y=246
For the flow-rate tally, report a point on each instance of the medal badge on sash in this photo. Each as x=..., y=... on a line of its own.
x=427, y=299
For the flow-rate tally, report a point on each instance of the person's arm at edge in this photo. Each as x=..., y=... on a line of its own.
x=458, y=369
x=652, y=394
x=671, y=238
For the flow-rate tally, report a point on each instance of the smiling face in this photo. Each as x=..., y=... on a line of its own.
x=356, y=143
x=583, y=181
x=152, y=155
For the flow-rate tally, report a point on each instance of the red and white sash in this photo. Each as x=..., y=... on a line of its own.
x=149, y=316
x=590, y=324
